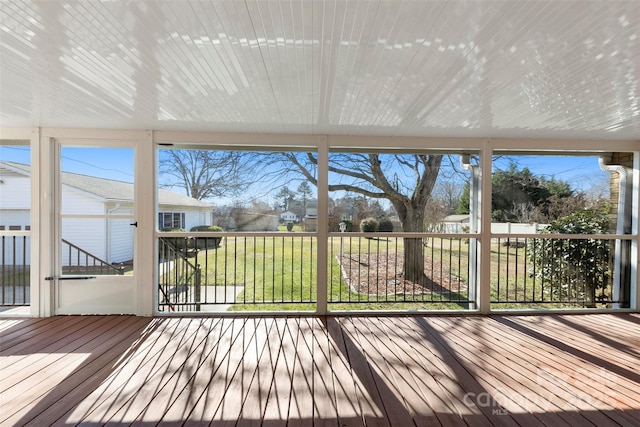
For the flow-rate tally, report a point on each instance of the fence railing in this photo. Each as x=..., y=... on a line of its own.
x=79, y=261
x=559, y=271
x=393, y=271
x=15, y=271
x=215, y=271
x=389, y=271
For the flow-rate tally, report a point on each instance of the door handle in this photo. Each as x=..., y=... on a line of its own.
x=135, y=224
x=70, y=278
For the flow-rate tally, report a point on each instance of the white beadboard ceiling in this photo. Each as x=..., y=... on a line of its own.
x=543, y=69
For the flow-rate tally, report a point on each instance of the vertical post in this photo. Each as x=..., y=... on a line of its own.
x=322, y=232
x=145, y=245
x=197, y=290
x=474, y=227
x=38, y=293
x=635, y=229
x=484, y=297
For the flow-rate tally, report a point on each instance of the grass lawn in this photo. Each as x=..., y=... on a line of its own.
x=279, y=274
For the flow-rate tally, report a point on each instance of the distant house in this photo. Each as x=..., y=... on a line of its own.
x=109, y=239
x=288, y=217
x=455, y=224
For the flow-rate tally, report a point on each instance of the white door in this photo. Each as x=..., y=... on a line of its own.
x=95, y=228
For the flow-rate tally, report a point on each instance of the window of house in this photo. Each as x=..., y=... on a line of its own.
x=171, y=220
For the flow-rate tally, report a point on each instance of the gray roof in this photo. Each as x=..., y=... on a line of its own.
x=112, y=190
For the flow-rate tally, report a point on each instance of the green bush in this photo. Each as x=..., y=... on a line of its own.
x=369, y=225
x=208, y=242
x=577, y=267
x=385, y=225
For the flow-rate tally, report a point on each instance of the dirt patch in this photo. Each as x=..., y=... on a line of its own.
x=381, y=274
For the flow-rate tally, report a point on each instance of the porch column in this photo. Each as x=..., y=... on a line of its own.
x=484, y=197
x=474, y=226
x=621, y=262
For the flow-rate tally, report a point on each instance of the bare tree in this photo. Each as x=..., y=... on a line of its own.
x=204, y=174
x=407, y=181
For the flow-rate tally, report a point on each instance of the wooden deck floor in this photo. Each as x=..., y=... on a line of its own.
x=581, y=370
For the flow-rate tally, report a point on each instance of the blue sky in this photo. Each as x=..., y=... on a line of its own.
x=582, y=172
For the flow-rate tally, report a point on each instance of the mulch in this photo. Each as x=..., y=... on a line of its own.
x=382, y=274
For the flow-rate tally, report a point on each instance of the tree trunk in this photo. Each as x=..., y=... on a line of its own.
x=412, y=220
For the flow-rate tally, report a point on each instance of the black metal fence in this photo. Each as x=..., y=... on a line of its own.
x=568, y=272
x=265, y=271
x=388, y=271
x=15, y=272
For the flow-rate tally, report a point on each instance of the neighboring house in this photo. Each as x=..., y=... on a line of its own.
x=109, y=239
x=288, y=217
x=455, y=224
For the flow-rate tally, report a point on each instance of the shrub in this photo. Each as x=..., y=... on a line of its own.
x=578, y=267
x=208, y=242
x=172, y=229
x=369, y=225
x=385, y=225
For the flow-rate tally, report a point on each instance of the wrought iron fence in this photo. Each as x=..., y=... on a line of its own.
x=390, y=271
x=15, y=271
x=558, y=272
x=214, y=271
x=387, y=271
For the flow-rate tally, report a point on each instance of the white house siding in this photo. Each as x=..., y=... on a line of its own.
x=120, y=237
x=86, y=233
x=15, y=206
x=193, y=218
x=16, y=193
x=14, y=217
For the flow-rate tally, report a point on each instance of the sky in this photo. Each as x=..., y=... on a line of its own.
x=581, y=172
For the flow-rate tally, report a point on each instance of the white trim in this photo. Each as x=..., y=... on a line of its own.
x=322, y=245
x=484, y=262
x=145, y=213
x=635, y=230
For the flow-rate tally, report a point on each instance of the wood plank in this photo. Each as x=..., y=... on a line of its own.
x=216, y=387
x=76, y=387
x=135, y=402
x=301, y=405
x=255, y=401
x=324, y=395
x=169, y=387
x=513, y=385
x=185, y=403
x=31, y=360
x=28, y=338
x=392, y=411
x=563, y=369
x=116, y=390
x=277, y=410
x=455, y=377
x=351, y=401
x=235, y=396
x=30, y=384
x=424, y=374
x=626, y=377
x=398, y=374
x=333, y=371
x=418, y=374
x=369, y=399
